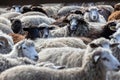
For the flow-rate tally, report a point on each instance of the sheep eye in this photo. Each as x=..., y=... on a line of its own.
x=105, y=59
x=24, y=47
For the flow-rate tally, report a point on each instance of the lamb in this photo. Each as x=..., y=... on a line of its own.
x=71, y=57
x=6, y=43
x=24, y=48
x=95, y=66
x=92, y=15
x=59, y=42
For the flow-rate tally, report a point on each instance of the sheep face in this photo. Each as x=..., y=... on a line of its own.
x=105, y=57
x=93, y=14
x=16, y=8
x=46, y=32
x=30, y=52
x=77, y=26
x=26, y=48
x=33, y=33
x=73, y=24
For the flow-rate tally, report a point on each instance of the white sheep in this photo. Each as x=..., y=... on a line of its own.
x=59, y=42
x=35, y=20
x=6, y=63
x=71, y=57
x=5, y=21
x=5, y=28
x=95, y=66
x=24, y=48
x=93, y=15
x=65, y=10
x=10, y=15
x=6, y=43
x=29, y=14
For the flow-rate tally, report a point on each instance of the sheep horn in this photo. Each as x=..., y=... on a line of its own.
x=4, y=39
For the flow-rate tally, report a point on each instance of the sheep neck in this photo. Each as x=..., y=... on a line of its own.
x=94, y=70
x=15, y=53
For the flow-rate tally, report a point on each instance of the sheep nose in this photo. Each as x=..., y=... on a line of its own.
x=36, y=58
x=118, y=66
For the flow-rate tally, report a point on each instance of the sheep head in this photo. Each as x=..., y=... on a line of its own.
x=26, y=48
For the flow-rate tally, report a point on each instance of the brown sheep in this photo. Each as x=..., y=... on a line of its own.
x=114, y=16
x=17, y=37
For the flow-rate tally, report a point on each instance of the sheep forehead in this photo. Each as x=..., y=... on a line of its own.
x=74, y=16
x=101, y=41
x=28, y=43
x=93, y=8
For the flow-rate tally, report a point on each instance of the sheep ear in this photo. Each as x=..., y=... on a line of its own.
x=96, y=56
x=113, y=28
x=2, y=43
x=25, y=29
x=93, y=45
x=51, y=28
x=41, y=28
x=65, y=21
x=87, y=10
x=114, y=45
x=110, y=36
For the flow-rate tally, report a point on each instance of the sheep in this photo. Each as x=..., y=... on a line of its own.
x=6, y=63
x=117, y=7
x=15, y=8
x=5, y=28
x=51, y=10
x=59, y=42
x=108, y=29
x=105, y=10
x=115, y=38
x=5, y=21
x=10, y=15
x=36, y=20
x=114, y=16
x=95, y=66
x=28, y=14
x=16, y=37
x=71, y=57
x=50, y=65
x=77, y=27
x=24, y=48
x=40, y=31
x=27, y=21
x=67, y=9
x=92, y=15
x=6, y=43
